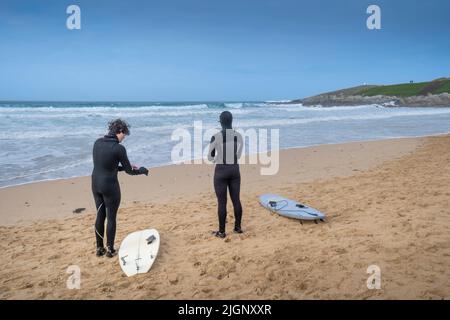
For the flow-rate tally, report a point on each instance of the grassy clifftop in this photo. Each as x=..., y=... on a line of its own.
x=409, y=89
x=422, y=94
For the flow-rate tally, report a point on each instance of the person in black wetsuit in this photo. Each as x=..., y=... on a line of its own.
x=225, y=149
x=107, y=154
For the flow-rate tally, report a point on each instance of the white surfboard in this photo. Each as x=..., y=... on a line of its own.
x=138, y=251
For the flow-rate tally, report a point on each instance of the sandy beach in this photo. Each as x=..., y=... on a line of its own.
x=387, y=204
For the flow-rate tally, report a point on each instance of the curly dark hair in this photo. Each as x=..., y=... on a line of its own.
x=118, y=126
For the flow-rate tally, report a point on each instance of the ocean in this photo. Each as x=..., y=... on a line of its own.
x=53, y=140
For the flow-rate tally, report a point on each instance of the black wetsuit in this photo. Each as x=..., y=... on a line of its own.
x=227, y=174
x=107, y=154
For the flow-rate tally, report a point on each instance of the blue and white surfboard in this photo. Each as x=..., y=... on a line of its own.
x=289, y=208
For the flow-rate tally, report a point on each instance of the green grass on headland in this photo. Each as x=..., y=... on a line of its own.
x=445, y=87
x=409, y=89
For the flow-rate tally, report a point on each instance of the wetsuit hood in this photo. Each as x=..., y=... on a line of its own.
x=226, y=120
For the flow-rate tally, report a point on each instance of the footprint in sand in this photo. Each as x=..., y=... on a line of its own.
x=27, y=286
x=173, y=279
x=206, y=290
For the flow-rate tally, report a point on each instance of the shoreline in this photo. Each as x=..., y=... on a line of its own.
x=282, y=149
x=59, y=198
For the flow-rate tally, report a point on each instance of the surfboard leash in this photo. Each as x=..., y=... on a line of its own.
x=95, y=228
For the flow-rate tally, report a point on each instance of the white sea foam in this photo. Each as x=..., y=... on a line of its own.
x=59, y=134
x=354, y=117
x=234, y=105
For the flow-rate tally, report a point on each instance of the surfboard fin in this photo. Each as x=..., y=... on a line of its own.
x=150, y=239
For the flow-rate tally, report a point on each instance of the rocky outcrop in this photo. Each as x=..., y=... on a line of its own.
x=331, y=100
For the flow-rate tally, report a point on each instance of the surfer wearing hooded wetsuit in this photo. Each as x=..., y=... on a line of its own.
x=225, y=149
x=107, y=154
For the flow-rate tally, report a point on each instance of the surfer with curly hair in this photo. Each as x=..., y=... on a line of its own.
x=110, y=157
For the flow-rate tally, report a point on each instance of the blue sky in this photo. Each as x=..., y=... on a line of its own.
x=195, y=50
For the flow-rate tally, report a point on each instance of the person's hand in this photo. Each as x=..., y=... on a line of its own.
x=134, y=167
x=143, y=170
